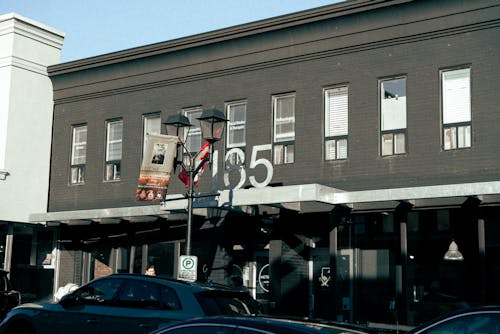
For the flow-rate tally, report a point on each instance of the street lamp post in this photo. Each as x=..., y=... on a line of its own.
x=212, y=122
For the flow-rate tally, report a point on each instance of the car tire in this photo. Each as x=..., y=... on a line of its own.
x=20, y=327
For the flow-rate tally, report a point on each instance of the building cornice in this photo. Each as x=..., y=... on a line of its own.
x=343, y=50
x=16, y=24
x=225, y=34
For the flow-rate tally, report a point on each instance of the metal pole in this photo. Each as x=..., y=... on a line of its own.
x=190, y=205
x=482, y=259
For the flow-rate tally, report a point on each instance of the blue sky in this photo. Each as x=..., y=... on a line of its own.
x=94, y=27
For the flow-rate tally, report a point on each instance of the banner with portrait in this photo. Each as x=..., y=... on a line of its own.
x=156, y=167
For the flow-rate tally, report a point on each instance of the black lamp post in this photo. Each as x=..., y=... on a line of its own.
x=212, y=122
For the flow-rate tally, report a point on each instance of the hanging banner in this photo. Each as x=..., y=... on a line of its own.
x=156, y=167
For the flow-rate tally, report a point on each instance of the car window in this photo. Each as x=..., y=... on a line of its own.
x=226, y=304
x=103, y=290
x=169, y=298
x=473, y=324
x=140, y=294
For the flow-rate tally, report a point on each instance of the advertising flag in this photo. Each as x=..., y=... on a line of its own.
x=156, y=167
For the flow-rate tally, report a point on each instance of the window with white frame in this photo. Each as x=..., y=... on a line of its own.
x=236, y=128
x=336, y=123
x=284, y=129
x=193, y=136
x=152, y=126
x=456, y=108
x=393, y=116
x=78, y=154
x=114, y=137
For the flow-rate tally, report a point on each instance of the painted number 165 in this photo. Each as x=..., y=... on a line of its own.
x=239, y=167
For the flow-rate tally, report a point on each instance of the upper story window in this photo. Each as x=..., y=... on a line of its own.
x=284, y=129
x=336, y=123
x=236, y=128
x=193, y=136
x=236, y=114
x=456, y=108
x=393, y=116
x=78, y=154
x=152, y=126
x=114, y=137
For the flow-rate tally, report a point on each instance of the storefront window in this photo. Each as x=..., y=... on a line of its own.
x=438, y=285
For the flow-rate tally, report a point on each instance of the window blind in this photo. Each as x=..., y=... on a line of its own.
x=456, y=96
x=393, y=104
x=336, y=112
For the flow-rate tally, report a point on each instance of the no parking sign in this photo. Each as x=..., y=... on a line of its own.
x=188, y=268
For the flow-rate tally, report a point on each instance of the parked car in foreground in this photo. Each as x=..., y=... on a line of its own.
x=484, y=320
x=127, y=303
x=256, y=325
x=9, y=298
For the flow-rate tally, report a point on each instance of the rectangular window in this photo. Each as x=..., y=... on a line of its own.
x=193, y=136
x=284, y=129
x=236, y=114
x=78, y=154
x=236, y=129
x=152, y=126
x=393, y=116
x=456, y=106
x=114, y=136
x=336, y=123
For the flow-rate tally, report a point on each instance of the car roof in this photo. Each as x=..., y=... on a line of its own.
x=195, y=286
x=272, y=324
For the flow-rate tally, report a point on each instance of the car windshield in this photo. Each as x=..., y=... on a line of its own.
x=227, y=303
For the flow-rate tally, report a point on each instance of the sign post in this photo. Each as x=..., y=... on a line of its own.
x=188, y=268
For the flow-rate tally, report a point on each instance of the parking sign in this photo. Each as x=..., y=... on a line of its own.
x=188, y=268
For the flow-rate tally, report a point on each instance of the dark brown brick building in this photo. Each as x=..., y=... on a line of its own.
x=367, y=142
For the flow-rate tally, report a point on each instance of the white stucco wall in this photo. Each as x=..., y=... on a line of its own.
x=26, y=104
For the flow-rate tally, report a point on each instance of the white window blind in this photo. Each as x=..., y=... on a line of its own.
x=236, y=125
x=456, y=96
x=284, y=118
x=336, y=112
x=152, y=126
x=393, y=104
x=114, y=141
x=79, y=149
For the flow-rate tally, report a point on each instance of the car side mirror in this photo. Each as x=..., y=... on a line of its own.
x=70, y=300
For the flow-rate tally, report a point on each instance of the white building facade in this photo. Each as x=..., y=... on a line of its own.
x=26, y=108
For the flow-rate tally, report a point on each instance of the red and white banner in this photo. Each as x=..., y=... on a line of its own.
x=204, y=153
x=156, y=167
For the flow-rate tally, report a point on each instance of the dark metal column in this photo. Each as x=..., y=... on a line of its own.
x=402, y=287
x=482, y=260
x=338, y=216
